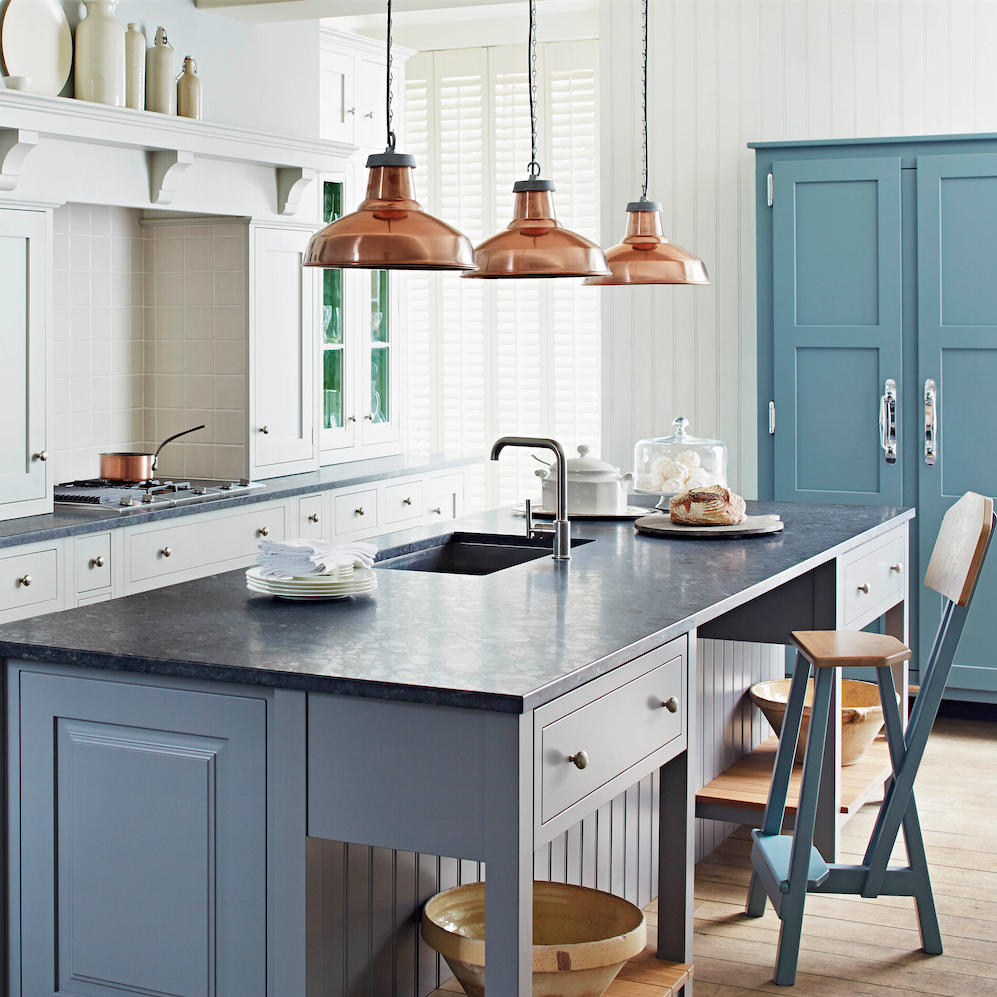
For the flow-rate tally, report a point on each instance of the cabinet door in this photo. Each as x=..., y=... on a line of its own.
x=338, y=108
x=283, y=429
x=378, y=395
x=372, y=133
x=143, y=857
x=837, y=309
x=957, y=350
x=24, y=485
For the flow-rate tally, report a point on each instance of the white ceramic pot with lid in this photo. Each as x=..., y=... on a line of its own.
x=595, y=487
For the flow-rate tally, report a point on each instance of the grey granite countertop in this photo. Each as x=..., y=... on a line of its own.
x=508, y=641
x=68, y=521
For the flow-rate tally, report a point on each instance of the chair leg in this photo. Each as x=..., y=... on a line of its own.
x=803, y=832
x=755, y=906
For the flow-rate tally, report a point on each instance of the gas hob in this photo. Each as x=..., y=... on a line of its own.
x=122, y=498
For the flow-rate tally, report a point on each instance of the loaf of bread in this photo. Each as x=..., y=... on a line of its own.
x=710, y=506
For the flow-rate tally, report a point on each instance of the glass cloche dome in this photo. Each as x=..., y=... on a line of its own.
x=671, y=464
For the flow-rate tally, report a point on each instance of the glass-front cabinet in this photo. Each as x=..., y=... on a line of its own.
x=358, y=395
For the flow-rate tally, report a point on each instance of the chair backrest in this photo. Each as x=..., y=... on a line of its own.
x=958, y=552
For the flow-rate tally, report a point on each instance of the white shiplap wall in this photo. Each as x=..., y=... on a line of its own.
x=723, y=73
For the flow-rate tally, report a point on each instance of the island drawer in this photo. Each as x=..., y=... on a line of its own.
x=873, y=578
x=403, y=502
x=183, y=546
x=93, y=562
x=28, y=580
x=309, y=517
x=586, y=748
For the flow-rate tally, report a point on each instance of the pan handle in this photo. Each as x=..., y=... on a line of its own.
x=170, y=439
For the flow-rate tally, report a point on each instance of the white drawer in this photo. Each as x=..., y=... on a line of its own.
x=93, y=562
x=309, y=521
x=614, y=732
x=402, y=502
x=355, y=512
x=874, y=578
x=182, y=546
x=29, y=580
x=445, y=497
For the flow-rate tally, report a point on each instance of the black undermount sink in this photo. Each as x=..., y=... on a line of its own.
x=474, y=553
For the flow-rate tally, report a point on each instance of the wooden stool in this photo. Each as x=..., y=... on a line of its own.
x=787, y=867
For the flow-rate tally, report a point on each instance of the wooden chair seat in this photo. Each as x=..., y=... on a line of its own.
x=850, y=648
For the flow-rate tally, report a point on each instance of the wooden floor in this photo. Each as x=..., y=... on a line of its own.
x=869, y=948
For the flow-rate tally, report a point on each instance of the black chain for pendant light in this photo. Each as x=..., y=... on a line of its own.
x=387, y=99
x=534, y=167
x=643, y=28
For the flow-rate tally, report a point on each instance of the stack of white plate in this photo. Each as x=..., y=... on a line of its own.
x=307, y=588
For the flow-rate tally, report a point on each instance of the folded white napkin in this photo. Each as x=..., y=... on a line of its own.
x=291, y=558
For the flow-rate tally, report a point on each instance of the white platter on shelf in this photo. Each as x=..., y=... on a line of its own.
x=36, y=42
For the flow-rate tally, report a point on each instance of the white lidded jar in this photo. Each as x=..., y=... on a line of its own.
x=135, y=67
x=190, y=91
x=594, y=487
x=161, y=75
x=99, y=74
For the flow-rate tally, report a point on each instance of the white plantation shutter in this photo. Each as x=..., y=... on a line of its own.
x=488, y=358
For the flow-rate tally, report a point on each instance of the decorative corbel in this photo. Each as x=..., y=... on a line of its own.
x=15, y=146
x=166, y=166
x=292, y=182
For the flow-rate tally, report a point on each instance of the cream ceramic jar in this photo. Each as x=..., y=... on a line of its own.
x=595, y=487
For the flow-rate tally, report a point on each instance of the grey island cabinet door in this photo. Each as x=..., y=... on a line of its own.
x=957, y=357
x=837, y=299
x=142, y=841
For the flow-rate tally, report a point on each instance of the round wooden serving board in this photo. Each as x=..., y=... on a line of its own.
x=753, y=526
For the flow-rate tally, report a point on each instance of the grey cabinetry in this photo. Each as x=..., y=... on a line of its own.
x=143, y=840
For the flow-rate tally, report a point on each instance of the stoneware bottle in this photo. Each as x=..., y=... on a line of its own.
x=100, y=55
x=135, y=67
x=160, y=76
x=190, y=102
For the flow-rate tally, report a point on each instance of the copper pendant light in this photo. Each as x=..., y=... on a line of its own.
x=645, y=256
x=389, y=230
x=536, y=244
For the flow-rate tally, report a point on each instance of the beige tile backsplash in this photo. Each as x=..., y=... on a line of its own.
x=149, y=339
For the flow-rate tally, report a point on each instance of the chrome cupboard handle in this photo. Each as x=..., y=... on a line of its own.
x=888, y=421
x=930, y=422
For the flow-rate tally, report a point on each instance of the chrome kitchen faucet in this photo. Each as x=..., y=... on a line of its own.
x=562, y=528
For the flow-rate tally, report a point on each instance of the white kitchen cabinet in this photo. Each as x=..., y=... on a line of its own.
x=32, y=580
x=339, y=112
x=25, y=489
x=282, y=436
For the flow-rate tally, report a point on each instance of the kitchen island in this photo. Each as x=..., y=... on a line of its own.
x=169, y=753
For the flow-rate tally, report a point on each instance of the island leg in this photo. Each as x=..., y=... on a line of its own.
x=508, y=830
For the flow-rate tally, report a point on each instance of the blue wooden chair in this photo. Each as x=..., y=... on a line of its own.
x=787, y=867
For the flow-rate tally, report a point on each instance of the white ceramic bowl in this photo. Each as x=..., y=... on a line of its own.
x=581, y=937
x=861, y=714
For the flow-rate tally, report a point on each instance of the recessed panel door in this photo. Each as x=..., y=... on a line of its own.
x=837, y=330
x=957, y=357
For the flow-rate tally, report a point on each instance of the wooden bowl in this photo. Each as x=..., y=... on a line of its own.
x=861, y=714
x=581, y=937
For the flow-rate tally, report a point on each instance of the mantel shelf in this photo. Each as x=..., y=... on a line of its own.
x=172, y=143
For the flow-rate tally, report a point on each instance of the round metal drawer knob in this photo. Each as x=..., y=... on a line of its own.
x=437, y=511
x=898, y=568
x=406, y=501
x=42, y=455
x=313, y=518
x=671, y=704
x=369, y=416
x=263, y=531
x=265, y=430
x=864, y=588
x=97, y=562
x=24, y=580
x=166, y=552
x=359, y=511
x=580, y=759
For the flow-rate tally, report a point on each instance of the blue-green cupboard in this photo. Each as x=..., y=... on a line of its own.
x=877, y=342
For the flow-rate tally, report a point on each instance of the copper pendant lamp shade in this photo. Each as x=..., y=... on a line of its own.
x=390, y=231
x=536, y=244
x=645, y=256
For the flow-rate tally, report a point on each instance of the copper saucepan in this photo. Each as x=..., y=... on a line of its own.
x=135, y=466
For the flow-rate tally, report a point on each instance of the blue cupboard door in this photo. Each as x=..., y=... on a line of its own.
x=957, y=350
x=142, y=840
x=837, y=312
